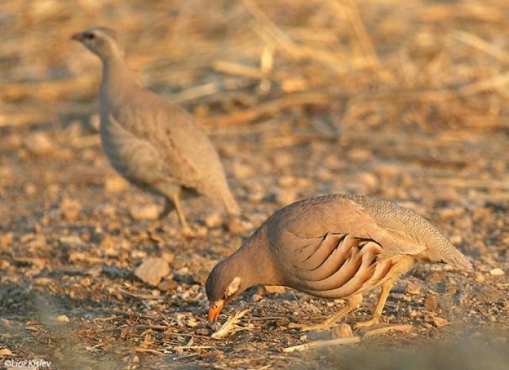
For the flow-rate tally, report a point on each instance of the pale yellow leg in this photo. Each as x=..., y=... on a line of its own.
x=402, y=265
x=186, y=230
x=168, y=207
x=157, y=223
x=386, y=288
x=353, y=303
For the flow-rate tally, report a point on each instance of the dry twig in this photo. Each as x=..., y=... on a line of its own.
x=322, y=343
x=141, y=296
x=385, y=329
x=470, y=183
x=230, y=326
x=148, y=350
x=270, y=27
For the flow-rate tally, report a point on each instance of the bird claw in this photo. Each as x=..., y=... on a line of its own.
x=155, y=226
x=365, y=324
x=326, y=325
x=187, y=232
x=316, y=327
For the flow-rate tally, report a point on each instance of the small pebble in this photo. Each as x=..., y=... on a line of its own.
x=6, y=239
x=343, y=330
x=213, y=221
x=42, y=281
x=168, y=256
x=144, y=211
x=285, y=196
x=256, y=297
x=152, y=270
x=38, y=144
x=5, y=352
x=275, y=289
x=70, y=209
x=167, y=284
x=439, y=322
x=369, y=180
x=237, y=226
x=243, y=171
x=86, y=282
x=359, y=154
x=479, y=277
x=431, y=302
x=62, y=318
x=413, y=288
x=497, y=272
x=115, y=184
x=11, y=142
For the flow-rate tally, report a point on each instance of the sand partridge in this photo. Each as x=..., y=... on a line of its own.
x=333, y=246
x=154, y=144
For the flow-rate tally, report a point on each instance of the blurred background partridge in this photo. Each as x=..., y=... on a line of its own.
x=333, y=246
x=154, y=144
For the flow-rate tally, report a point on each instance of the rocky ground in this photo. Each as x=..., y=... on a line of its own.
x=400, y=101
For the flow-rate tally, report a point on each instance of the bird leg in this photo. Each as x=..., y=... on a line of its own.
x=151, y=231
x=401, y=265
x=353, y=303
x=158, y=223
x=168, y=207
x=186, y=230
x=375, y=320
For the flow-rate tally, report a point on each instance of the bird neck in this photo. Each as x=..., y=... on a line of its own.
x=255, y=263
x=116, y=76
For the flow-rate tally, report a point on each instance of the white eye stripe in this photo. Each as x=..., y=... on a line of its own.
x=233, y=287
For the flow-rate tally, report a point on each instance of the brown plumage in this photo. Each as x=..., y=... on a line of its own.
x=333, y=246
x=153, y=143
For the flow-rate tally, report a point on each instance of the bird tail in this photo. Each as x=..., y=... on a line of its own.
x=456, y=259
x=230, y=204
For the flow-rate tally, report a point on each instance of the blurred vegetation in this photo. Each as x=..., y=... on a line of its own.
x=424, y=64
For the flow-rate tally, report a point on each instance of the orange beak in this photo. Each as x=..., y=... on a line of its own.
x=215, y=310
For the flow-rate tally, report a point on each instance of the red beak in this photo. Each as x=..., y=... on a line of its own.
x=215, y=310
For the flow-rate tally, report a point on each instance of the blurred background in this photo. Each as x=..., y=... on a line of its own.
x=404, y=100
x=425, y=64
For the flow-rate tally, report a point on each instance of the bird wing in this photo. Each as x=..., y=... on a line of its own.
x=179, y=146
x=132, y=156
x=313, y=218
x=310, y=221
x=397, y=230
x=330, y=246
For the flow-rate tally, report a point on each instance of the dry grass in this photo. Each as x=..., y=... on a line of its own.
x=422, y=61
x=406, y=100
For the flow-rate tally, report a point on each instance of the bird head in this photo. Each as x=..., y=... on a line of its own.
x=101, y=41
x=222, y=286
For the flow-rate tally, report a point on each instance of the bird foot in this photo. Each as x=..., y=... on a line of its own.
x=326, y=325
x=187, y=232
x=236, y=226
x=148, y=235
x=140, y=238
x=365, y=324
x=155, y=225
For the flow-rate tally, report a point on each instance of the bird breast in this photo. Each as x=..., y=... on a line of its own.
x=134, y=158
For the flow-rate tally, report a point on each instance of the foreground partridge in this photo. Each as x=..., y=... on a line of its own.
x=151, y=142
x=333, y=246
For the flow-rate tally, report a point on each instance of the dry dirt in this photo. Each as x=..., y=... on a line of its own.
x=406, y=101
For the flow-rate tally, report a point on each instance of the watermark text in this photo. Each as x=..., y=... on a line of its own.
x=39, y=364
